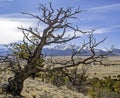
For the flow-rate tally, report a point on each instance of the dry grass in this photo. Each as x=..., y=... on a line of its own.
x=112, y=68
x=103, y=71
x=37, y=89
x=96, y=70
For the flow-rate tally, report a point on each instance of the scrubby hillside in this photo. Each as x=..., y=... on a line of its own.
x=35, y=88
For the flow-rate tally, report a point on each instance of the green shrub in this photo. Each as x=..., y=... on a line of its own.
x=117, y=87
x=102, y=93
x=104, y=88
x=73, y=80
x=95, y=87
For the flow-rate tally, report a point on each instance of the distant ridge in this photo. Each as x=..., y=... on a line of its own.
x=4, y=51
x=63, y=51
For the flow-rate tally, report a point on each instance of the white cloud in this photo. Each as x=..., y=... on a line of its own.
x=6, y=0
x=9, y=32
x=8, y=29
x=109, y=29
x=105, y=8
x=101, y=13
x=19, y=15
x=71, y=33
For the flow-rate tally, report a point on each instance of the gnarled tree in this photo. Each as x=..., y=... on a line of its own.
x=27, y=58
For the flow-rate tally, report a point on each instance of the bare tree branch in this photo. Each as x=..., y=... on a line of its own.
x=57, y=24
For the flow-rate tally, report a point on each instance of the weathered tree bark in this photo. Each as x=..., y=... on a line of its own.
x=15, y=85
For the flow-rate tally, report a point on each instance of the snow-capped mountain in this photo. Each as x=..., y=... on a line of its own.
x=63, y=51
x=116, y=52
x=4, y=50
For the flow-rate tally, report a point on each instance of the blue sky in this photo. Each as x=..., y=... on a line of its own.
x=101, y=15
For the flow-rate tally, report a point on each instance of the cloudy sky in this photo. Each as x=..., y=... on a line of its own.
x=101, y=15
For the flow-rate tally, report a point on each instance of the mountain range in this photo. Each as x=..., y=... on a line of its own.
x=63, y=51
x=4, y=50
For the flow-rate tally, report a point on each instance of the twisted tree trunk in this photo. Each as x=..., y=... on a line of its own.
x=15, y=84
